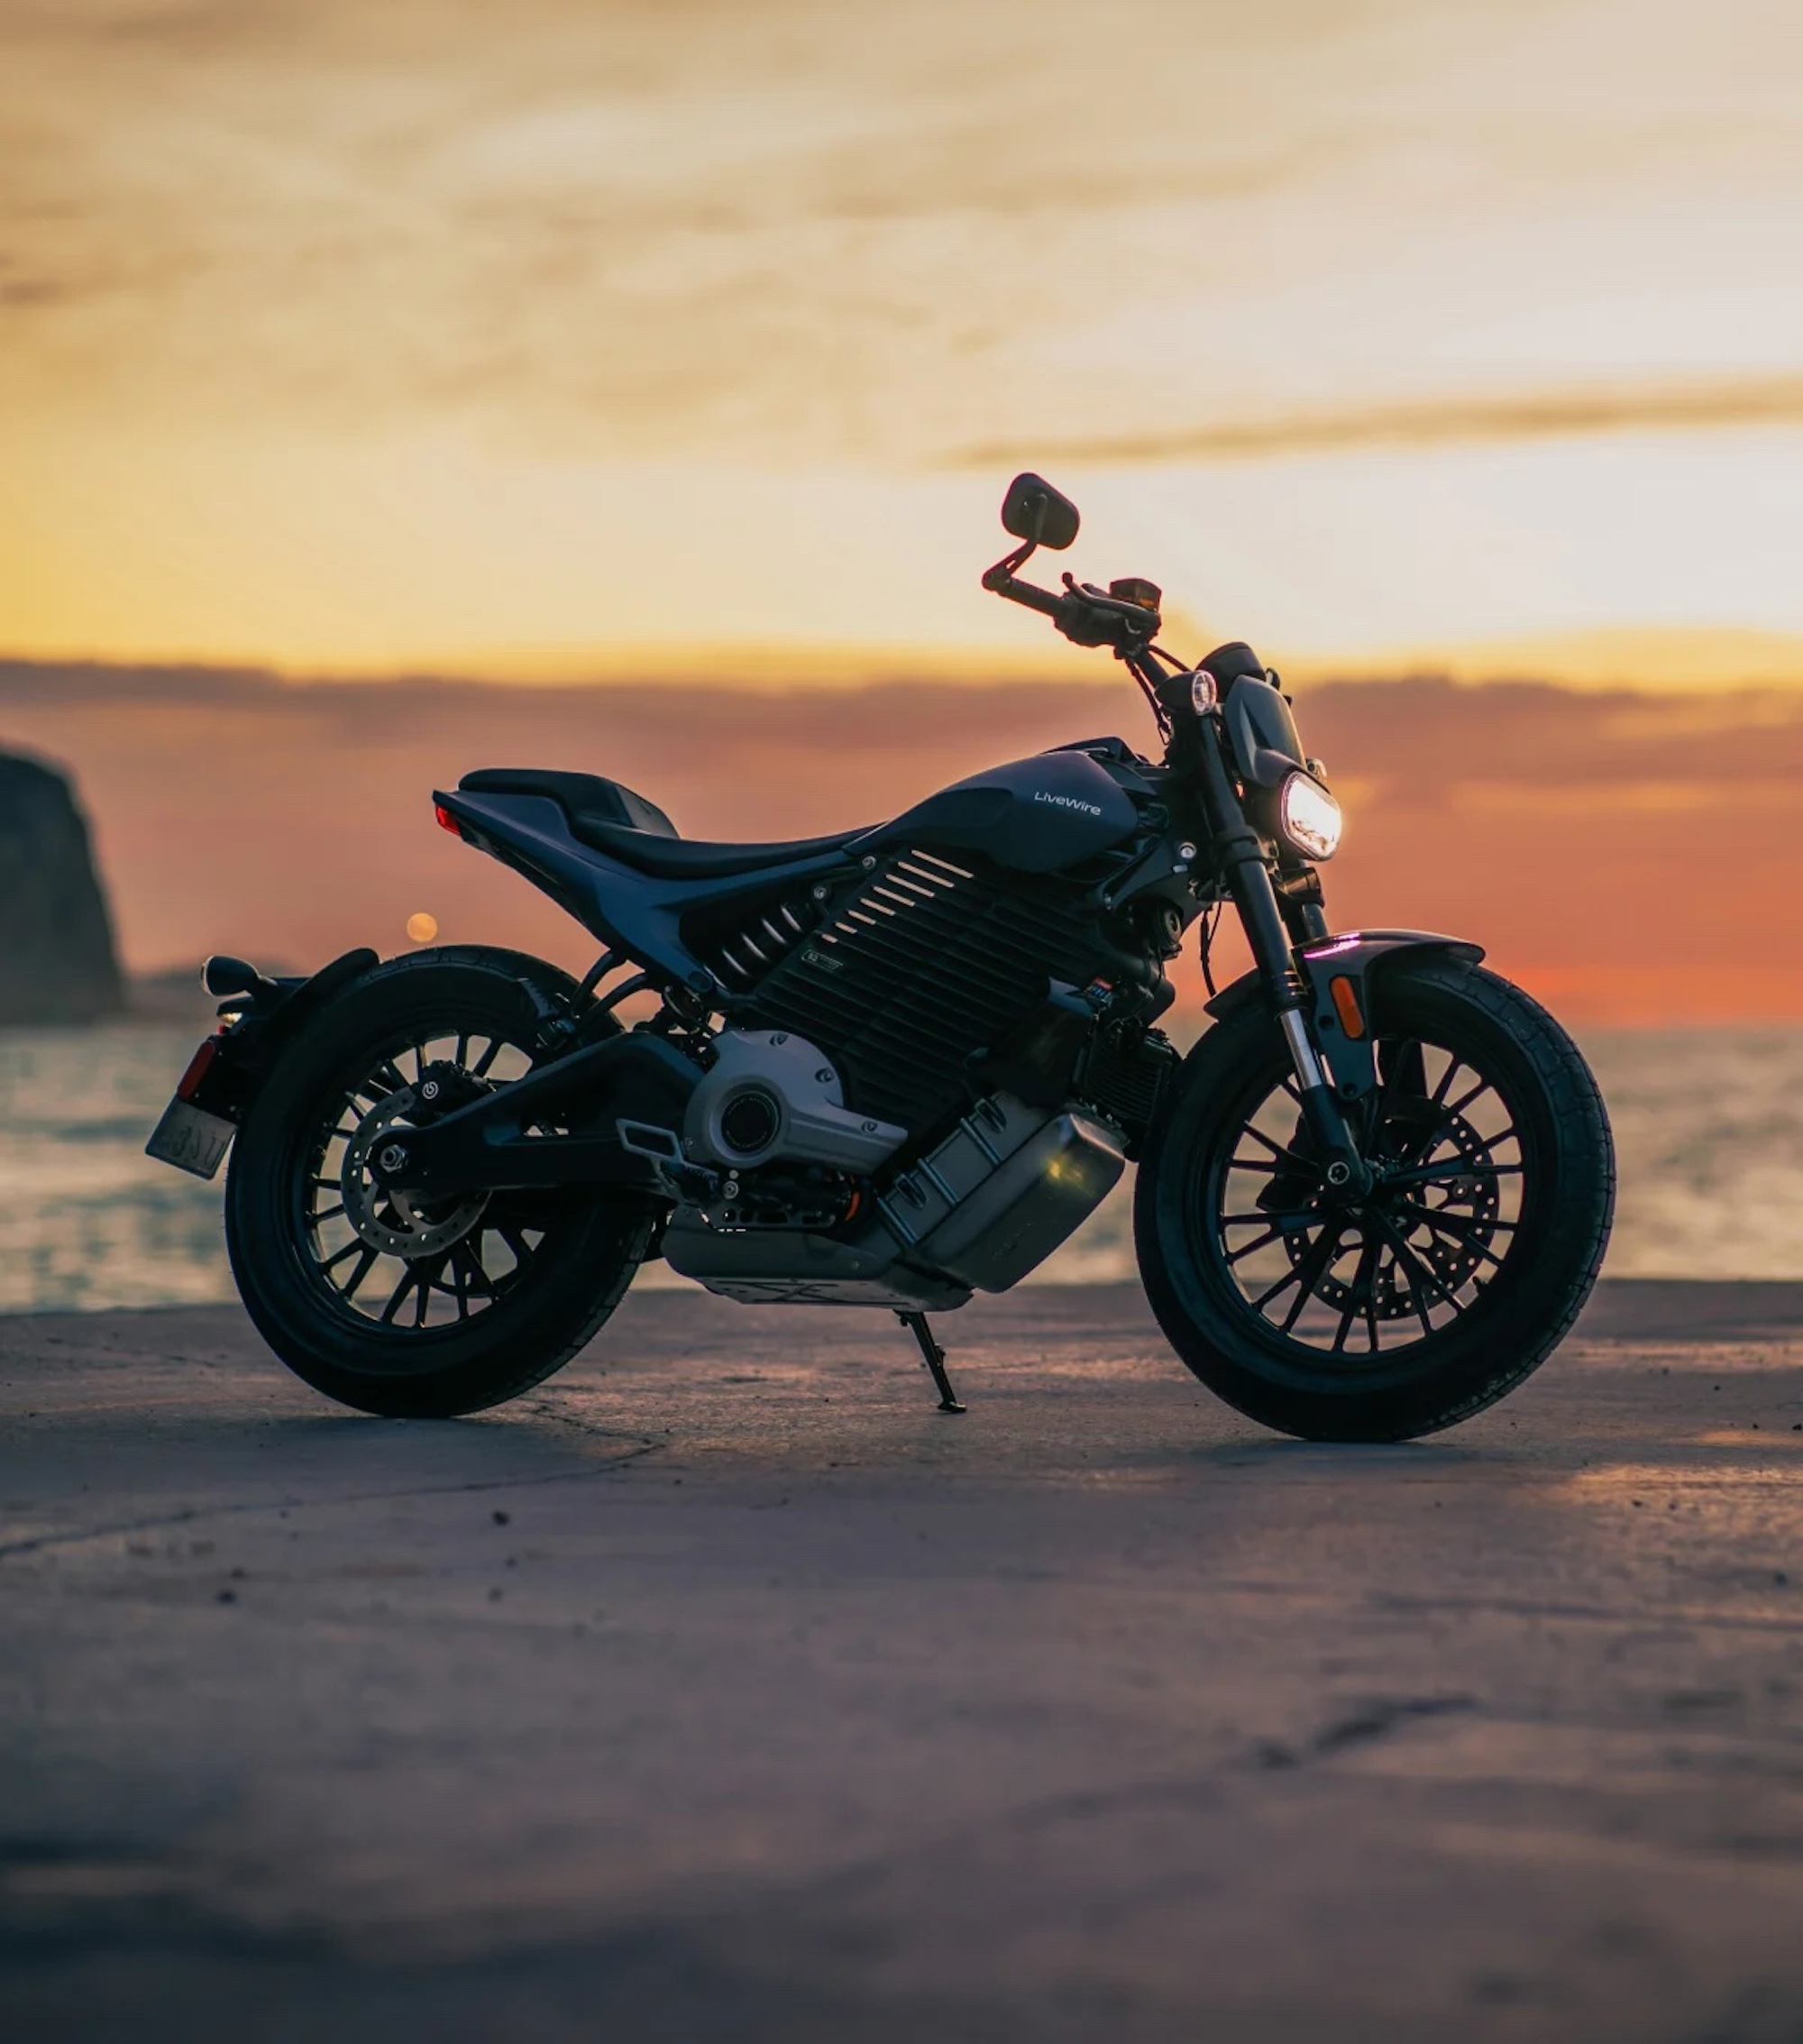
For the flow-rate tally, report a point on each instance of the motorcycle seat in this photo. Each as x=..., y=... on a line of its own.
x=608, y=817
x=688, y=858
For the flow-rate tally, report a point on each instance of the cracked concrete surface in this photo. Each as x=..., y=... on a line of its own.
x=723, y=1689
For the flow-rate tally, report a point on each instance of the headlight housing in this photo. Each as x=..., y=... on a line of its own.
x=1308, y=817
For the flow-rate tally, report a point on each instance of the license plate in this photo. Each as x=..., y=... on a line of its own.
x=191, y=1139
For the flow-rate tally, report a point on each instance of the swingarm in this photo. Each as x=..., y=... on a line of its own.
x=621, y=1102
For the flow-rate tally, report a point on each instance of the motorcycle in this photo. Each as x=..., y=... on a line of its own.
x=899, y=1065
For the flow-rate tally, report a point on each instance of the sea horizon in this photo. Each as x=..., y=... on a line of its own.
x=1708, y=1127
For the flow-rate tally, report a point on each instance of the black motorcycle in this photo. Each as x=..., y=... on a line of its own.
x=899, y=1065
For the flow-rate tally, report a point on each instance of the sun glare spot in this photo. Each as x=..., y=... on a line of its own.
x=422, y=928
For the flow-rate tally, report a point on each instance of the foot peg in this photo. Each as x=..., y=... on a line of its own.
x=934, y=1357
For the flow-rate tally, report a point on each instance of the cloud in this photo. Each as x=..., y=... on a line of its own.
x=801, y=227
x=1558, y=829
x=344, y=331
x=1716, y=405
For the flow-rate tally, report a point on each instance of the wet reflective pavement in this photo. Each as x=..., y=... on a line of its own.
x=725, y=1689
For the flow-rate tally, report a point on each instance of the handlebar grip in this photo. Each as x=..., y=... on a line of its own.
x=1025, y=592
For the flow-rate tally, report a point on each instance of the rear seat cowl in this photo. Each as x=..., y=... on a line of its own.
x=582, y=797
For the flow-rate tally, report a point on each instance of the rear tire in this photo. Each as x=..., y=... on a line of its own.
x=1454, y=1282
x=468, y=1304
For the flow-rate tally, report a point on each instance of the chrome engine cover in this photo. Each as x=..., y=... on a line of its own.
x=773, y=1097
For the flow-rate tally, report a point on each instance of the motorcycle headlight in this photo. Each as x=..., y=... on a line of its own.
x=1308, y=817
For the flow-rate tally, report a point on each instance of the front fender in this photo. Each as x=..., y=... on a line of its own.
x=1360, y=958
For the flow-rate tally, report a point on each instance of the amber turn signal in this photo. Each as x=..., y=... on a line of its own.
x=1346, y=1006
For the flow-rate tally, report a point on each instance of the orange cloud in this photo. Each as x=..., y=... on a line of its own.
x=1713, y=405
x=1622, y=856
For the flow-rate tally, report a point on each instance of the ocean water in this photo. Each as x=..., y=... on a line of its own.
x=1708, y=1125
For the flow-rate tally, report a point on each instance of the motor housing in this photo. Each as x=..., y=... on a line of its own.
x=772, y=1096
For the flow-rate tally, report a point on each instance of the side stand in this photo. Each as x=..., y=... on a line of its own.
x=934, y=1356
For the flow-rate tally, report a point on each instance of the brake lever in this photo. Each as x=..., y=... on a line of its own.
x=1114, y=618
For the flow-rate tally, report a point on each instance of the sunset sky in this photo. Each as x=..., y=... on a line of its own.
x=567, y=338
x=686, y=348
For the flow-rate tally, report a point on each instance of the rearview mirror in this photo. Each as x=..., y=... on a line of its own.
x=1034, y=511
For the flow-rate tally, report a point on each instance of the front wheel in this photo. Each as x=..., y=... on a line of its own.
x=403, y=1308
x=1435, y=1294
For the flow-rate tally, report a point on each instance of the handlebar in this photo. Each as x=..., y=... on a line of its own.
x=1085, y=615
x=1000, y=581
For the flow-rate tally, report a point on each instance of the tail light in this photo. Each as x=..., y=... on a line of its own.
x=198, y=1065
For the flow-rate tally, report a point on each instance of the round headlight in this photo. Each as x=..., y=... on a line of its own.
x=1308, y=817
x=1205, y=691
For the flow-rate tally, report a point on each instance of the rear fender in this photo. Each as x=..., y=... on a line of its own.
x=269, y=1016
x=1360, y=958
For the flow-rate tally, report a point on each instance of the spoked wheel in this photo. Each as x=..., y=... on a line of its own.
x=1439, y=1290
x=1365, y=1280
x=388, y=1260
x=385, y=1304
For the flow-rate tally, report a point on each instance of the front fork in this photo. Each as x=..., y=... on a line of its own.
x=1239, y=852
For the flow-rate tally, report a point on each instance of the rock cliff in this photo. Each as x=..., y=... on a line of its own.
x=57, y=962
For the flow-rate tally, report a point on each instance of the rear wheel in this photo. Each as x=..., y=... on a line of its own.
x=1434, y=1295
x=403, y=1309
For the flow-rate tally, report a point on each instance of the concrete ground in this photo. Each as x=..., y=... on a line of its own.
x=724, y=1690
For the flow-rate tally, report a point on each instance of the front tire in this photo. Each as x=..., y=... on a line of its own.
x=1448, y=1286
x=416, y=1312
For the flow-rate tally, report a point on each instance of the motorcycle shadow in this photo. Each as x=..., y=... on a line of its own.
x=1436, y=1456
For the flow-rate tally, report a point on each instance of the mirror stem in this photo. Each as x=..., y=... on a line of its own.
x=1005, y=571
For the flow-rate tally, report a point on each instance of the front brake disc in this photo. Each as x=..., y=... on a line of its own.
x=1454, y=1253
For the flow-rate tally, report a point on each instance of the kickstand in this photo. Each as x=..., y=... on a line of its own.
x=934, y=1356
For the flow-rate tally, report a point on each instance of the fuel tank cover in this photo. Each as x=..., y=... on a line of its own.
x=1036, y=815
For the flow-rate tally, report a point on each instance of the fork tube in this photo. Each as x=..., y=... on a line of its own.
x=1240, y=853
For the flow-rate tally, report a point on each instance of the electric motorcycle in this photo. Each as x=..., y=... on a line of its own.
x=898, y=1065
